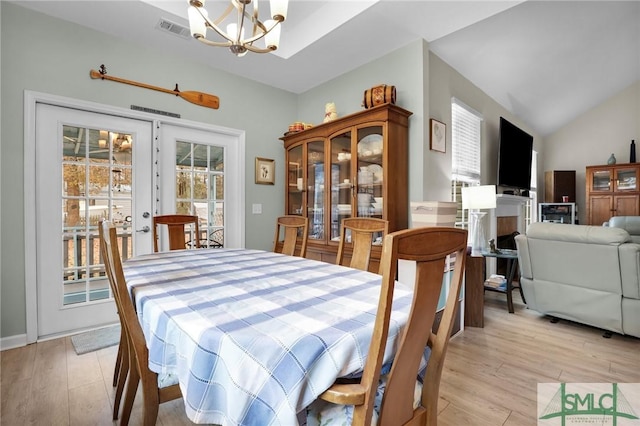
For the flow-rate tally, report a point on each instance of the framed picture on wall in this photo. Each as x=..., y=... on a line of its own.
x=265, y=171
x=438, y=135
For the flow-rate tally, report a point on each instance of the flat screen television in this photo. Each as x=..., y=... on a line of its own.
x=514, y=159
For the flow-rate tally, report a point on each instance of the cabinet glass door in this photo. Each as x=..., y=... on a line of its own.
x=295, y=182
x=601, y=180
x=341, y=186
x=625, y=179
x=315, y=189
x=370, y=199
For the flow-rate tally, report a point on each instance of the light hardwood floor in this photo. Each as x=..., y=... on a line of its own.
x=490, y=375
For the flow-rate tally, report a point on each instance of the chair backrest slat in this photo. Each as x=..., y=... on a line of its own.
x=362, y=231
x=292, y=225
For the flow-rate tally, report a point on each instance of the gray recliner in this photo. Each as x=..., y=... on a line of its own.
x=587, y=274
x=631, y=224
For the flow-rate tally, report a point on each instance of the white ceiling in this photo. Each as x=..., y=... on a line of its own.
x=545, y=61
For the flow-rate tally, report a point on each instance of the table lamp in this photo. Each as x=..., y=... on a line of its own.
x=475, y=198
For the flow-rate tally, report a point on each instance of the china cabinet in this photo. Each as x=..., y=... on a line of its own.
x=355, y=166
x=612, y=190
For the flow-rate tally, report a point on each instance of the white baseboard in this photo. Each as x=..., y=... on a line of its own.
x=13, y=342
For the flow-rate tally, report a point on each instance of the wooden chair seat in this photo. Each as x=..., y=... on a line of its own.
x=428, y=248
x=323, y=413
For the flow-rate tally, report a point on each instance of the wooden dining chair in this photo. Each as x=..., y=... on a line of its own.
x=362, y=231
x=155, y=389
x=176, y=227
x=121, y=369
x=353, y=403
x=292, y=226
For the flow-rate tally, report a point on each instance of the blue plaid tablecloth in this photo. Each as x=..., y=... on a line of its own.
x=253, y=336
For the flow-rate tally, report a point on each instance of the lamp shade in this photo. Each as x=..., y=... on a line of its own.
x=479, y=197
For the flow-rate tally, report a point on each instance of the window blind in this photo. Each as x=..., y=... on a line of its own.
x=466, y=137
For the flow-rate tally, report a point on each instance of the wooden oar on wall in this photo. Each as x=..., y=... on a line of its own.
x=198, y=98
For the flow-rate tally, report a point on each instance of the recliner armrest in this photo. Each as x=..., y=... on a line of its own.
x=630, y=270
x=524, y=261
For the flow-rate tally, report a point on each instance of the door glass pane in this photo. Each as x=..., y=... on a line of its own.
x=315, y=189
x=200, y=189
x=295, y=183
x=341, y=192
x=96, y=185
x=370, y=172
x=601, y=180
x=216, y=158
x=626, y=179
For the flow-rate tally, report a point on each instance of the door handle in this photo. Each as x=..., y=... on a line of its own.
x=144, y=229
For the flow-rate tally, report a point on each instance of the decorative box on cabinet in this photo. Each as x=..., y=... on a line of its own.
x=559, y=183
x=612, y=190
x=355, y=166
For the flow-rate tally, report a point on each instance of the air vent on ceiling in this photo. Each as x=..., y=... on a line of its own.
x=173, y=28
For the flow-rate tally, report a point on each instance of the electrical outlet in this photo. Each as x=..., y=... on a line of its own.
x=257, y=208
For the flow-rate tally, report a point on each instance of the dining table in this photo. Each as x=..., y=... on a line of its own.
x=253, y=336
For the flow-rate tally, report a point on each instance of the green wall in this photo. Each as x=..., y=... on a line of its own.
x=404, y=69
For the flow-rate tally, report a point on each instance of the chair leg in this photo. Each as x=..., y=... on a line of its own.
x=116, y=370
x=151, y=399
x=132, y=387
x=122, y=378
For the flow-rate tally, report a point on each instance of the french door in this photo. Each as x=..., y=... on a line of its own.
x=200, y=173
x=86, y=161
x=84, y=165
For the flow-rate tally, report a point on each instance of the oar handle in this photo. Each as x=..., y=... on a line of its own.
x=97, y=74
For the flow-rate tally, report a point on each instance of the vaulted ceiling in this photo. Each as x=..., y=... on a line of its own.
x=545, y=61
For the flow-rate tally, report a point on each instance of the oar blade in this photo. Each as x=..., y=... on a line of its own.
x=199, y=98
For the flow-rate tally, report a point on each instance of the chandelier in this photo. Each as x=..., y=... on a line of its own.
x=234, y=36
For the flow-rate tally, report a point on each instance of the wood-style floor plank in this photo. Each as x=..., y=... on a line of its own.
x=490, y=376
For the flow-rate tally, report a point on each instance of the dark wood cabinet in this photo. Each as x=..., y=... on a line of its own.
x=612, y=190
x=559, y=183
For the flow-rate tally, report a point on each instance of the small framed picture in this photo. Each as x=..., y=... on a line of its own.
x=265, y=171
x=438, y=135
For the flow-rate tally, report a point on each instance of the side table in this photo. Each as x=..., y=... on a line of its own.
x=512, y=264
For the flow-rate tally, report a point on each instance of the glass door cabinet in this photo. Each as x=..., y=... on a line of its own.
x=612, y=190
x=337, y=170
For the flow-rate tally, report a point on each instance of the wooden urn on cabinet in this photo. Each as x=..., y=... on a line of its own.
x=355, y=166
